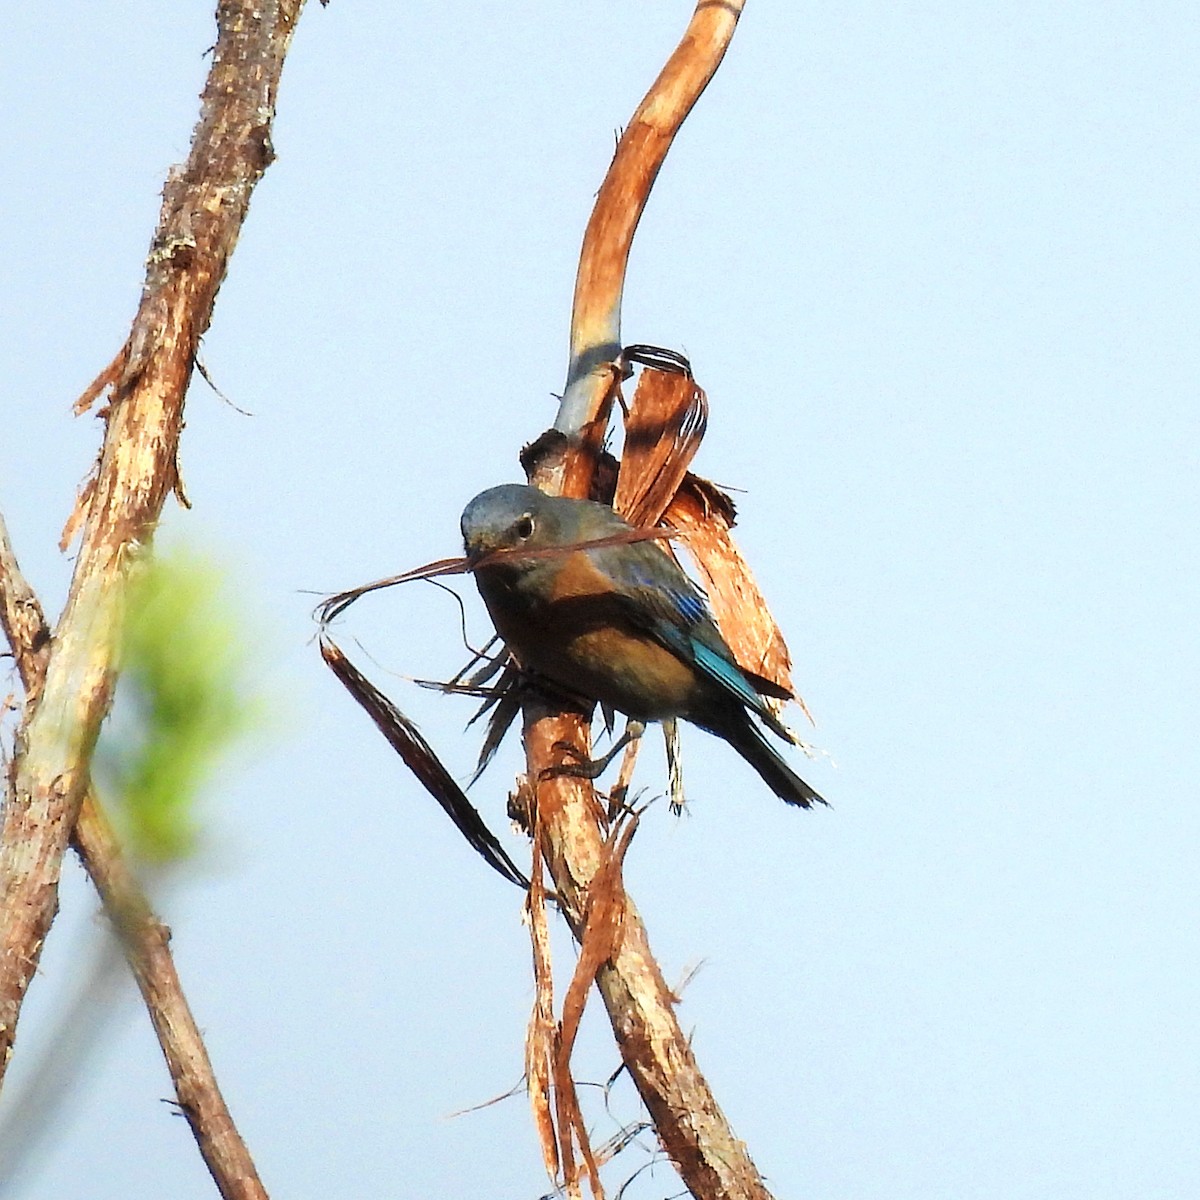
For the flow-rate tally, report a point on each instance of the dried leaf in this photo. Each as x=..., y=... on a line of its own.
x=568, y=1119
x=106, y=379
x=663, y=429
x=406, y=739
x=83, y=502
x=505, y=705
x=704, y=516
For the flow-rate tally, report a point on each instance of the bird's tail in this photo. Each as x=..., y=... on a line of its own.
x=744, y=735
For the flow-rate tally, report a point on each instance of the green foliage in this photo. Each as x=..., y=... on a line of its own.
x=182, y=702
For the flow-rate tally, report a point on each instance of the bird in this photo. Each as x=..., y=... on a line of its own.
x=618, y=624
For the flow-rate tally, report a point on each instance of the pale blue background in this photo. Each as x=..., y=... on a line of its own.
x=936, y=265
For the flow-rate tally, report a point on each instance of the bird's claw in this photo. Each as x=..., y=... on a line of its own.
x=581, y=768
x=590, y=768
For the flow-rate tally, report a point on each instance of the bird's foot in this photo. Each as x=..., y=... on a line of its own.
x=582, y=767
x=590, y=768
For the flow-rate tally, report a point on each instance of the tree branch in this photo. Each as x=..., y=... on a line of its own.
x=146, y=943
x=712, y=1161
x=143, y=937
x=69, y=689
x=604, y=256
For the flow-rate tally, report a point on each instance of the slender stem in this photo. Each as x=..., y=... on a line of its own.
x=146, y=943
x=604, y=256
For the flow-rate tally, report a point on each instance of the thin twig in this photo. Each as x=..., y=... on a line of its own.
x=23, y=621
x=143, y=937
x=146, y=943
x=712, y=1161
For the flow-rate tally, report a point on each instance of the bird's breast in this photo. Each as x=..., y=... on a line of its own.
x=571, y=626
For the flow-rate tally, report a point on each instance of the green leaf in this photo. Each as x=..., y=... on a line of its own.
x=183, y=701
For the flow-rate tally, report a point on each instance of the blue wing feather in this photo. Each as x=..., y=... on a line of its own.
x=727, y=673
x=665, y=602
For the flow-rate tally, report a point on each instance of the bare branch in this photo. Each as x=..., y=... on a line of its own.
x=146, y=942
x=68, y=690
x=694, y=1132
x=711, y=1159
x=604, y=256
x=144, y=938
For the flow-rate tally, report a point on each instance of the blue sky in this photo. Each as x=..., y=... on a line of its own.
x=936, y=267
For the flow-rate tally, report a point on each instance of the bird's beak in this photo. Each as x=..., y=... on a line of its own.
x=474, y=550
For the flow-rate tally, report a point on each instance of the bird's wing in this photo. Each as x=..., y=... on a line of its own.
x=663, y=602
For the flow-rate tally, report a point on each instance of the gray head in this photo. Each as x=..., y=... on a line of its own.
x=514, y=514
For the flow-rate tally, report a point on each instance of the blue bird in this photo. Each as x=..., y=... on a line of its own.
x=621, y=625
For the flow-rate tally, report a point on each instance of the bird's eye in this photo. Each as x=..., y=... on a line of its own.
x=525, y=527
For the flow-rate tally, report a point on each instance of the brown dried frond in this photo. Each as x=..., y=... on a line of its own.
x=79, y=512
x=562, y=1134
x=704, y=515
x=663, y=429
x=602, y=930
x=418, y=755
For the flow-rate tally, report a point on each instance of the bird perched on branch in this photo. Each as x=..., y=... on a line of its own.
x=619, y=624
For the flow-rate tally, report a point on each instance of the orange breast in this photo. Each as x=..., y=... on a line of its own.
x=581, y=638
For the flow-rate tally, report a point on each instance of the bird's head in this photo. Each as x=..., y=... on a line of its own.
x=508, y=517
x=516, y=517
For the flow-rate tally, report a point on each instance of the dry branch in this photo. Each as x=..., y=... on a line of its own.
x=204, y=204
x=69, y=678
x=712, y=1161
x=146, y=943
x=143, y=937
